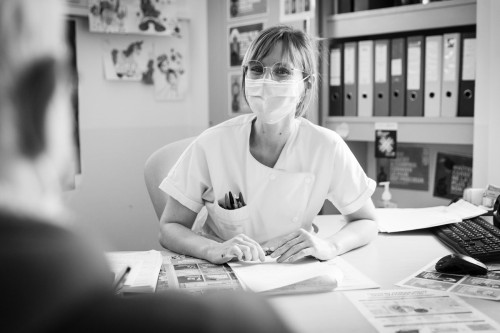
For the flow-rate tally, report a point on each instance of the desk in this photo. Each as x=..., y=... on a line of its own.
x=387, y=260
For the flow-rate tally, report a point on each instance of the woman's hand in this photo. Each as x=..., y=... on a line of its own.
x=301, y=243
x=242, y=247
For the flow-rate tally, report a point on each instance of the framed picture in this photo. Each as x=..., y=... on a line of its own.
x=239, y=39
x=294, y=10
x=237, y=104
x=453, y=175
x=242, y=9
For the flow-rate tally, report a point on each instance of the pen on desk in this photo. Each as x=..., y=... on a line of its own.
x=120, y=279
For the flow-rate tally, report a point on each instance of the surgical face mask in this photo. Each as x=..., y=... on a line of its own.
x=271, y=100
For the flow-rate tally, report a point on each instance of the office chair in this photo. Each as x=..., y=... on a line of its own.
x=156, y=169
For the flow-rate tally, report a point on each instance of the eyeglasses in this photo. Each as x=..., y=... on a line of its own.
x=280, y=71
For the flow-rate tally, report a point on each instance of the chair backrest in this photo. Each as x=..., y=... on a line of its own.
x=156, y=169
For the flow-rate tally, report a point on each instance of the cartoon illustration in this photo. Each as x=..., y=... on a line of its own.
x=108, y=15
x=126, y=61
x=171, y=69
x=152, y=15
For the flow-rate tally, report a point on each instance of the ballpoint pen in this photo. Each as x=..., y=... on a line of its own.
x=120, y=279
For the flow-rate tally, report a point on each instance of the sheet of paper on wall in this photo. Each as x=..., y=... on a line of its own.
x=271, y=277
x=145, y=268
x=405, y=310
x=404, y=219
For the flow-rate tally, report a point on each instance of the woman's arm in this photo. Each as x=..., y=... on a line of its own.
x=360, y=230
x=176, y=235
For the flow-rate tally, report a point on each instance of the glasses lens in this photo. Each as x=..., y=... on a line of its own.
x=255, y=69
x=282, y=72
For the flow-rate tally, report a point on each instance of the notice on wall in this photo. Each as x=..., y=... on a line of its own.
x=453, y=175
x=409, y=170
x=246, y=8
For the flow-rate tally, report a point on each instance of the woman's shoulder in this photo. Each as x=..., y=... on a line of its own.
x=318, y=134
x=233, y=129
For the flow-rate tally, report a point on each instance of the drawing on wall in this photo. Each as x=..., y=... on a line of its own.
x=170, y=77
x=128, y=61
x=453, y=175
x=152, y=17
x=237, y=103
x=240, y=38
x=409, y=170
x=246, y=8
x=293, y=10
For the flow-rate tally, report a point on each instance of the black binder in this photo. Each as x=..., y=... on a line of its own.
x=336, y=105
x=415, y=76
x=398, y=77
x=466, y=88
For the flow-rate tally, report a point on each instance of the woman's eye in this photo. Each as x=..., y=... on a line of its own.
x=283, y=71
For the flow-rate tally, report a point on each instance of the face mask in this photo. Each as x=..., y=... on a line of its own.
x=271, y=100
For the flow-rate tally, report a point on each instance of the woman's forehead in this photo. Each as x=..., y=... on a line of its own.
x=278, y=53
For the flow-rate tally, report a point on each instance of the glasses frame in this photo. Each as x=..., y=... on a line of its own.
x=305, y=75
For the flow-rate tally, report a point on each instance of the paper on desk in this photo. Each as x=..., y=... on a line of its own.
x=269, y=275
x=404, y=310
x=145, y=267
x=404, y=219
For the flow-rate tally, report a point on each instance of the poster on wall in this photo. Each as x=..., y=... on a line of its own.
x=453, y=175
x=237, y=104
x=170, y=67
x=128, y=60
x=294, y=10
x=240, y=38
x=151, y=17
x=246, y=8
x=386, y=143
x=409, y=170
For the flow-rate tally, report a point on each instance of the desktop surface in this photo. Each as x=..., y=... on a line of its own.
x=387, y=260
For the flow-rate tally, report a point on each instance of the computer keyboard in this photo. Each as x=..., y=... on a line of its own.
x=473, y=237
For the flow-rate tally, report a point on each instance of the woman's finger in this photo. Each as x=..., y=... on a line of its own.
x=286, y=246
x=301, y=254
x=256, y=248
x=292, y=251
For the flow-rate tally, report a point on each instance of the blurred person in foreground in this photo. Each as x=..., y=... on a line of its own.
x=53, y=279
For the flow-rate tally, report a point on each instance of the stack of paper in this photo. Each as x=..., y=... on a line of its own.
x=403, y=219
x=145, y=268
x=270, y=277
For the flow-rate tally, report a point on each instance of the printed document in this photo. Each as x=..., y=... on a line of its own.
x=477, y=286
x=404, y=310
x=404, y=219
x=144, y=269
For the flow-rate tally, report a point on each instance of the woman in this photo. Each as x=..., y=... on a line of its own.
x=283, y=166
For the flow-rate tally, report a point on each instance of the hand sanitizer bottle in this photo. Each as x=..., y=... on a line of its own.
x=386, y=196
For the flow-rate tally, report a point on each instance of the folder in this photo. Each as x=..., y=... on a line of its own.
x=433, y=75
x=415, y=76
x=365, y=78
x=381, y=78
x=467, y=76
x=336, y=91
x=350, y=76
x=451, y=62
x=398, y=77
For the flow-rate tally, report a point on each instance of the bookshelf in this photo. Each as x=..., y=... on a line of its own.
x=436, y=15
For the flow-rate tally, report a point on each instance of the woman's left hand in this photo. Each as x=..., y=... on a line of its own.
x=300, y=244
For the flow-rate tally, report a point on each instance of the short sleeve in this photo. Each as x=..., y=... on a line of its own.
x=350, y=187
x=189, y=178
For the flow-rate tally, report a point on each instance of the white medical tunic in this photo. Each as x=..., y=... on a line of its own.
x=315, y=164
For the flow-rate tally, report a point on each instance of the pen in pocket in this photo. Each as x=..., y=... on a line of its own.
x=233, y=202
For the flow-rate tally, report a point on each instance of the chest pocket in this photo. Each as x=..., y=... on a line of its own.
x=227, y=223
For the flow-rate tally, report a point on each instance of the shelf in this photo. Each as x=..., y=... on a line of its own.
x=441, y=14
x=410, y=129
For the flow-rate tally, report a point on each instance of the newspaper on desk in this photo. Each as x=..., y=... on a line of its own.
x=404, y=310
x=477, y=286
x=198, y=276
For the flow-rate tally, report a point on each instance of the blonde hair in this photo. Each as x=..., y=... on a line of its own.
x=298, y=48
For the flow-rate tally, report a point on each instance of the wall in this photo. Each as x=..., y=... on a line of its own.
x=121, y=125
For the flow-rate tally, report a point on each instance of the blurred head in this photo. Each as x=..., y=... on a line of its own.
x=297, y=49
x=35, y=112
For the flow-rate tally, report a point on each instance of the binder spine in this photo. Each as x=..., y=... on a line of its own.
x=365, y=78
x=350, y=79
x=415, y=76
x=433, y=75
x=451, y=57
x=398, y=77
x=381, y=78
x=336, y=79
x=467, y=76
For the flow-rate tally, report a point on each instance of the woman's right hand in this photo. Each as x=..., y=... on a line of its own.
x=241, y=246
